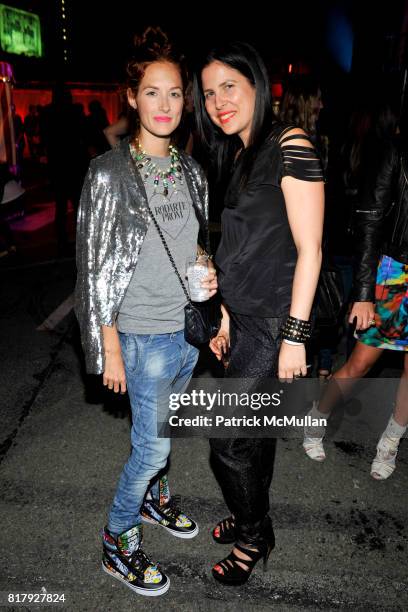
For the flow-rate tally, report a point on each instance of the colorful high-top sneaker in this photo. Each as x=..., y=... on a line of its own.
x=166, y=512
x=124, y=559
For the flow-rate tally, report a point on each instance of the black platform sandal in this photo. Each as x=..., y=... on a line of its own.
x=230, y=571
x=225, y=530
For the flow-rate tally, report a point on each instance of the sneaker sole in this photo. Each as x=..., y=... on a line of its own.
x=146, y=592
x=177, y=534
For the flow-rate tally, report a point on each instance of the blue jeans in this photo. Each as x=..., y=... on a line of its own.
x=156, y=365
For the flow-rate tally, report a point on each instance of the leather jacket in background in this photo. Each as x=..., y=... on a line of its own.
x=381, y=223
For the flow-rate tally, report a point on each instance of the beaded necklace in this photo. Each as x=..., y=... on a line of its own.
x=147, y=167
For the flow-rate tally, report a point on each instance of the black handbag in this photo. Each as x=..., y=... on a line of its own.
x=329, y=299
x=202, y=320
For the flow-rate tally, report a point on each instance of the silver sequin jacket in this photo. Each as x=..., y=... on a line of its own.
x=112, y=222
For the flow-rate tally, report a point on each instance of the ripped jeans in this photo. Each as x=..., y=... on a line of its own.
x=156, y=365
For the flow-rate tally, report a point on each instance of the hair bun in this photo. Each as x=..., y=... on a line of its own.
x=150, y=47
x=154, y=41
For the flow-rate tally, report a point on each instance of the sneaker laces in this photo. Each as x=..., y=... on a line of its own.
x=141, y=560
x=172, y=508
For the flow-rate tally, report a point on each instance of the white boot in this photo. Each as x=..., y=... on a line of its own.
x=313, y=436
x=387, y=448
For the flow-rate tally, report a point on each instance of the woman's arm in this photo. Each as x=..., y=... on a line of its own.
x=116, y=130
x=305, y=208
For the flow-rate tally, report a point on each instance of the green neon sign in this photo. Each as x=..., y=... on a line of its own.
x=20, y=32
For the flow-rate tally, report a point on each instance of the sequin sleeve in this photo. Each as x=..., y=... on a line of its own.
x=86, y=285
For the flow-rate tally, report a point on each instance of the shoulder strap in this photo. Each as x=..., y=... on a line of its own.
x=166, y=248
x=170, y=256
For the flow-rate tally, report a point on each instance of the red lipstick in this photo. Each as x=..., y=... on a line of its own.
x=226, y=116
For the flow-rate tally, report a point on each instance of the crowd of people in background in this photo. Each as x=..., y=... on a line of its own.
x=38, y=137
x=31, y=132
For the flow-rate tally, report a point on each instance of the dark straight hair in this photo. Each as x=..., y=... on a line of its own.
x=222, y=148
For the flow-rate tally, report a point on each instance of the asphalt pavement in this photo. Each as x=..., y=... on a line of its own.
x=342, y=538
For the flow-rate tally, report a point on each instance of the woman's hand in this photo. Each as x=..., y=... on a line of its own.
x=210, y=281
x=114, y=376
x=220, y=344
x=364, y=313
x=292, y=362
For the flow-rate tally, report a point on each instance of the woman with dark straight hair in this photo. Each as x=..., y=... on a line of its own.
x=222, y=149
x=269, y=261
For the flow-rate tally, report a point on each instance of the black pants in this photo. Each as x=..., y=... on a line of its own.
x=244, y=466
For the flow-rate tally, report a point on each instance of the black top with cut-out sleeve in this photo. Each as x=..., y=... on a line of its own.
x=257, y=256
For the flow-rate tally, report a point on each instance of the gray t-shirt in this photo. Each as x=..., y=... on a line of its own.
x=154, y=300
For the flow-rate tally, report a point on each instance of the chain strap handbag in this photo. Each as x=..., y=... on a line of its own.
x=202, y=319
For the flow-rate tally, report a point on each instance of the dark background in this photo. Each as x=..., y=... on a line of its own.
x=99, y=34
x=356, y=49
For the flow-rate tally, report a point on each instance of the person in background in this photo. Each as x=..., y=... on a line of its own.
x=380, y=306
x=352, y=174
x=11, y=195
x=32, y=131
x=301, y=105
x=116, y=131
x=19, y=140
x=95, y=124
x=63, y=137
